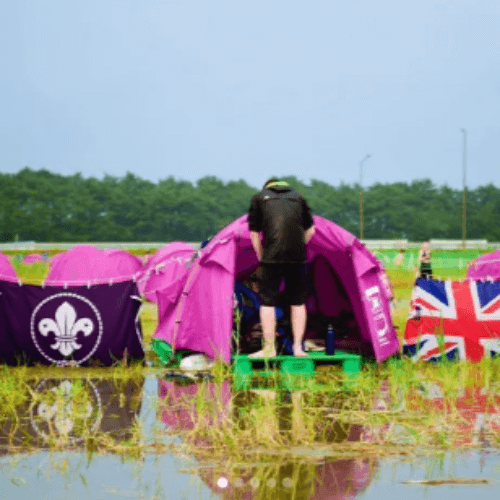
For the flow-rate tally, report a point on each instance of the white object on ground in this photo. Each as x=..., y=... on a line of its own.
x=309, y=345
x=196, y=362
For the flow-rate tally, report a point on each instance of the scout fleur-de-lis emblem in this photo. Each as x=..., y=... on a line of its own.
x=65, y=327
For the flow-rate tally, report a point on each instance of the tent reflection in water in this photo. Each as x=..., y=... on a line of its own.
x=347, y=289
x=66, y=411
x=277, y=476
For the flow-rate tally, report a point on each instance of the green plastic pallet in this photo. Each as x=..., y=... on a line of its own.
x=294, y=372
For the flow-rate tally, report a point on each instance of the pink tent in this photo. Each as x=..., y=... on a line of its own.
x=84, y=264
x=7, y=271
x=485, y=267
x=348, y=281
x=125, y=260
x=165, y=266
x=33, y=257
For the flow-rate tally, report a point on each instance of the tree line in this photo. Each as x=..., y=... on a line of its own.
x=46, y=207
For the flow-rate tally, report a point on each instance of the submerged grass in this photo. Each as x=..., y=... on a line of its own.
x=399, y=406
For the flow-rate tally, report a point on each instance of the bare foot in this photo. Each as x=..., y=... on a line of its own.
x=264, y=353
x=298, y=352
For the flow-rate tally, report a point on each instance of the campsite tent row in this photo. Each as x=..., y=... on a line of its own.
x=195, y=309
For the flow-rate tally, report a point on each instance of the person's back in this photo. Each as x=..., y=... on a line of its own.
x=285, y=220
x=282, y=215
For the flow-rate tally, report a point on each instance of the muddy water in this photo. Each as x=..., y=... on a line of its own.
x=301, y=472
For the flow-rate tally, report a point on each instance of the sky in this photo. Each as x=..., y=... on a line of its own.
x=249, y=90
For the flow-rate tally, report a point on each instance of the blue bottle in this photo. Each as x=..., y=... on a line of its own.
x=330, y=341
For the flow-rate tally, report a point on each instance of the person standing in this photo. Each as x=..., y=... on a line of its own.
x=398, y=260
x=285, y=220
x=424, y=257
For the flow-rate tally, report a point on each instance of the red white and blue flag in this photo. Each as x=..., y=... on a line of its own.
x=454, y=319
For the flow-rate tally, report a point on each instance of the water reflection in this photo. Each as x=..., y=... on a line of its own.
x=477, y=408
x=308, y=473
x=464, y=417
x=67, y=412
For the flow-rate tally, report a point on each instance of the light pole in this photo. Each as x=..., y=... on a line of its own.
x=361, y=221
x=464, y=219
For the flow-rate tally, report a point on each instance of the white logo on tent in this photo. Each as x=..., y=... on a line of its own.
x=65, y=329
x=375, y=299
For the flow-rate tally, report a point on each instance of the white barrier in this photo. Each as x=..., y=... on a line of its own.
x=457, y=244
x=385, y=244
x=370, y=244
x=66, y=246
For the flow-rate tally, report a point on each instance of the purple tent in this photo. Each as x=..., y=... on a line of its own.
x=165, y=266
x=84, y=264
x=7, y=271
x=485, y=267
x=346, y=277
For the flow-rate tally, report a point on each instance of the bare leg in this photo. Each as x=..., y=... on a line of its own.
x=268, y=322
x=299, y=316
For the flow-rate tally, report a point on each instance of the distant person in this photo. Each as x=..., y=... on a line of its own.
x=145, y=258
x=398, y=260
x=286, y=222
x=424, y=257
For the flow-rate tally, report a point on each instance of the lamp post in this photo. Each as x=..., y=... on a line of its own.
x=464, y=219
x=361, y=220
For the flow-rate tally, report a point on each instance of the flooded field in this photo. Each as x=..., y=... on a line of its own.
x=158, y=437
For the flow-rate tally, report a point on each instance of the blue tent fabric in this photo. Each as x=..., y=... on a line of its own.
x=250, y=315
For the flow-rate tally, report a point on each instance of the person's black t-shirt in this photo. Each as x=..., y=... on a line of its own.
x=283, y=216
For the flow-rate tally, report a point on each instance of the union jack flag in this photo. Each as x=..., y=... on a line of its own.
x=458, y=320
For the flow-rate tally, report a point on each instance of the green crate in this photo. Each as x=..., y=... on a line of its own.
x=294, y=372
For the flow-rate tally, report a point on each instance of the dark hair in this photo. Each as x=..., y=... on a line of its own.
x=272, y=179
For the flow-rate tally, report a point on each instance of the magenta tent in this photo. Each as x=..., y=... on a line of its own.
x=7, y=271
x=86, y=264
x=165, y=266
x=485, y=267
x=347, y=282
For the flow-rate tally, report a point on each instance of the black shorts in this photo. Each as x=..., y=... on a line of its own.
x=295, y=276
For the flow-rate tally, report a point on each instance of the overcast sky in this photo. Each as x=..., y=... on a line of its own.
x=249, y=89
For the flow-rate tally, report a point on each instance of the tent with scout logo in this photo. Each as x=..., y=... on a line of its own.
x=86, y=263
x=196, y=311
x=86, y=313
